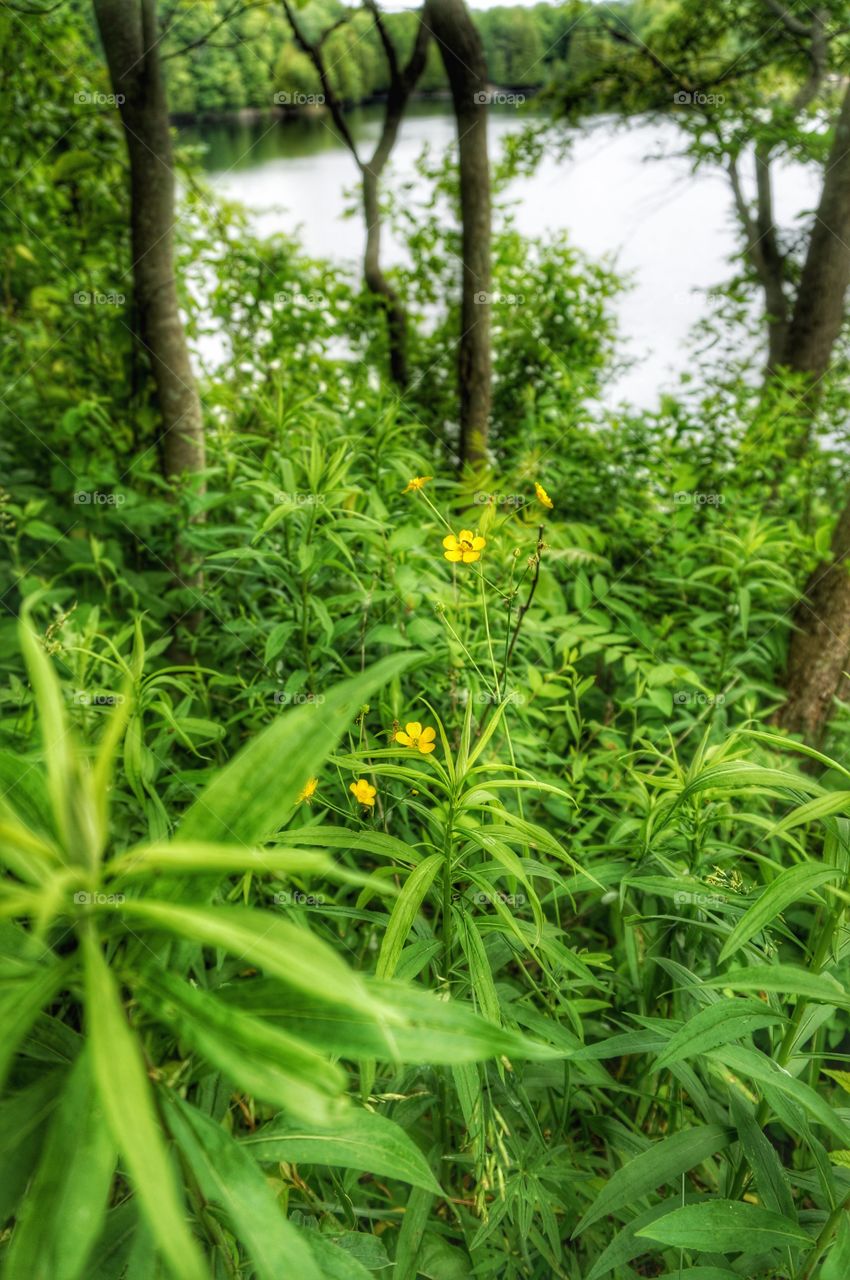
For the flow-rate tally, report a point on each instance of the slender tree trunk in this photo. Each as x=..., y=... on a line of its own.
x=403, y=80
x=378, y=283
x=463, y=58
x=130, y=37
x=820, y=644
x=819, y=307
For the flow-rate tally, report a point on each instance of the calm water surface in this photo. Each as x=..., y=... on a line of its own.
x=670, y=231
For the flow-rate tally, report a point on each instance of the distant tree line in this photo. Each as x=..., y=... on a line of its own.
x=252, y=59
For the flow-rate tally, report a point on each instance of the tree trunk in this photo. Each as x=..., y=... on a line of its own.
x=463, y=58
x=820, y=645
x=130, y=37
x=377, y=282
x=403, y=81
x=819, y=307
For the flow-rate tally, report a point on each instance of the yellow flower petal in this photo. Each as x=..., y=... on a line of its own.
x=453, y=556
x=403, y=738
x=466, y=535
x=479, y=543
x=428, y=735
x=469, y=557
x=542, y=496
x=450, y=541
x=414, y=728
x=425, y=747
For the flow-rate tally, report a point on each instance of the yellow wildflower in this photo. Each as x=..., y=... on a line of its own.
x=307, y=791
x=413, y=735
x=465, y=548
x=542, y=496
x=417, y=483
x=364, y=793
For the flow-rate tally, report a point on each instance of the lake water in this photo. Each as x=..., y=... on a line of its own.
x=671, y=231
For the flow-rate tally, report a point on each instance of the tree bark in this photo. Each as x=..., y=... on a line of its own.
x=819, y=306
x=466, y=68
x=403, y=81
x=130, y=36
x=820, y=644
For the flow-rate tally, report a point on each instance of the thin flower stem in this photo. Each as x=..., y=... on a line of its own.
x=489, y=637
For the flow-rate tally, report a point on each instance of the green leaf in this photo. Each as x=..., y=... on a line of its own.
x=358, y=1140
x=21, y=1002
x=228, y=1176
x=786, y=980
x=732, y=775
x=287, y=951
x=434, y=1031
x=258, y=1057
x=660, y=1163
x=791, y=885
x=725, y=1226
x=404, y=913
x=412, y=1232
x=771, y=1179
x=837, y=1264
x=250, y=798
x=122, y=1083
x=715, y=1025
x=756, y=1065
x=65, y=1207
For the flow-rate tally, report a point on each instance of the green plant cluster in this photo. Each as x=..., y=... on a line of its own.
x=444, y=901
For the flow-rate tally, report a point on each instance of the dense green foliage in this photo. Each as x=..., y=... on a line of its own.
x=285, y=993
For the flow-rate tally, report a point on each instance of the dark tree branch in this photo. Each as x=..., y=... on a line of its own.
x=235, y=11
